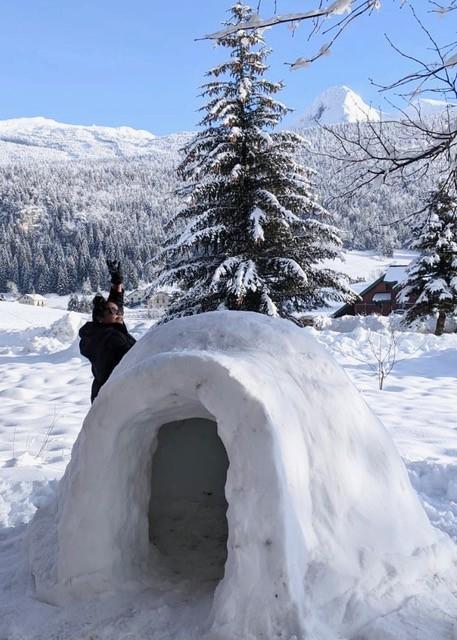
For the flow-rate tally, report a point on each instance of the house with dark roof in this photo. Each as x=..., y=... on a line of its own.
x=379, y=297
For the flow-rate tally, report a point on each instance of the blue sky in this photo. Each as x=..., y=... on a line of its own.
x=136, y=63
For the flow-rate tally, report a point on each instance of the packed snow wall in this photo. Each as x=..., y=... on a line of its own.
x=323, y=531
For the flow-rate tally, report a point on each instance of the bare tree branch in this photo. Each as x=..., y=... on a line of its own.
x=447, y=7
x=405, y=149
x=323, y=11
x=318, y=16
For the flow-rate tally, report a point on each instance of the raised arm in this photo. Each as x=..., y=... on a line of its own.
x=116, y=293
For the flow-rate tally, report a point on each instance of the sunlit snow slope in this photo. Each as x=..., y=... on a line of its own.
x=338, y=105
x=25, y=139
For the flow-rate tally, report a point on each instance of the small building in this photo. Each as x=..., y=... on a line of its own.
x=33, y=299
x=153, y=300
x=136, y=297
x=158, y=300
x=379, y=297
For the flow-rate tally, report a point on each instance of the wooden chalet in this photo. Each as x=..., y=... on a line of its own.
x=379, y=297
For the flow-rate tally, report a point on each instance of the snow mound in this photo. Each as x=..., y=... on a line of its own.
x=338, y=105
x=437, y=486
x=20, y=499
x=61, y=333
x=230, y=458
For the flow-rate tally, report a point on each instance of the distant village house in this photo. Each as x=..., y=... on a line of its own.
x=379, y=297
x=158, y=300
x=33, y=299
x=136, y=297
x=153, y=300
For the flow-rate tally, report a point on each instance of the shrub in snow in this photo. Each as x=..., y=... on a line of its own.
x=384, y=353
x=323, y=536
x=432, y=278
x=251, y=234
x=80, y=304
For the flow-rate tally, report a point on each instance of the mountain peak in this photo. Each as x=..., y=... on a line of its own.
x=337, y=105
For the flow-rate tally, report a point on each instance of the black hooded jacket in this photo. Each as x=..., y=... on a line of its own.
x=104, y=345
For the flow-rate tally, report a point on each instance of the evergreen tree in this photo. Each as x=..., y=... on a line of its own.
x=252, y=235
x=81, y=305
x=86, y=289
x=432, y=278
x=73, y=303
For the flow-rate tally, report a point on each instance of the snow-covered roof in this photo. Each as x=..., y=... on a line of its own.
x=33, y=296
x=381, y=297
x=149, y=290
x=359, y=287
x=396, y=273
x=142, y=293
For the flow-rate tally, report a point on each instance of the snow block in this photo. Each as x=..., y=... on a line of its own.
x=229, y=455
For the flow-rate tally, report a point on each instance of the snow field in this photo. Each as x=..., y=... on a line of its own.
x=44, y=397
x=44, y=383
x=418, y=404
x=308, y=467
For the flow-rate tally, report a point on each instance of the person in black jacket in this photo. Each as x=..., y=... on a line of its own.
x=105, y=340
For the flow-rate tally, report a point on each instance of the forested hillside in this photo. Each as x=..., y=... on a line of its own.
x=376, y=216
x=59, y=220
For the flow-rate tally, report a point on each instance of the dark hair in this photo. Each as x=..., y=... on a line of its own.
x=99, y=306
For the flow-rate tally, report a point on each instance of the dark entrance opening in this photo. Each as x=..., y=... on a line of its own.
x=187, y=511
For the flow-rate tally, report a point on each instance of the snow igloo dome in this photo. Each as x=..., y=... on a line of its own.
x=229, y=455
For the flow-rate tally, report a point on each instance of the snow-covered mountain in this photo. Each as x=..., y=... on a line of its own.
x=341, y=105
x=74, y=191
x=42, y=139
x=24, y=139
x=338, y=105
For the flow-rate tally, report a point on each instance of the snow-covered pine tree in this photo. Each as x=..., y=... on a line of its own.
x=251, y=235
x=432, y=278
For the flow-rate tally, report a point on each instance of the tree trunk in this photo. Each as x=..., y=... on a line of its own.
x=439, y=329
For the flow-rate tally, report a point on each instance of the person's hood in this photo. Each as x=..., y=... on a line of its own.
x=89, y=333
x=91, y=329
x=86, y=330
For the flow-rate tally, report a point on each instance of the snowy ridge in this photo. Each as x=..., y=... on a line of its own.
x=338, y=105
x=428, y=108
x=23, y=139
x=38, y=138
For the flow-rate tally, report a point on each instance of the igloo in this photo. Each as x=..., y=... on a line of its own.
x=230, y=457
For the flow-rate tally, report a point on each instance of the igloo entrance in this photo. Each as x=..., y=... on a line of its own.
x=187, y=509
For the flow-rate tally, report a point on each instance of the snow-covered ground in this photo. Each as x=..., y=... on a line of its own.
x=44, y=397
x=418, y=404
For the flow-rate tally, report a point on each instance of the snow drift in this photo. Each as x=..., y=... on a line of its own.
x=230, y=456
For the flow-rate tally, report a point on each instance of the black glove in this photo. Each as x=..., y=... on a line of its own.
x=114, y=268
